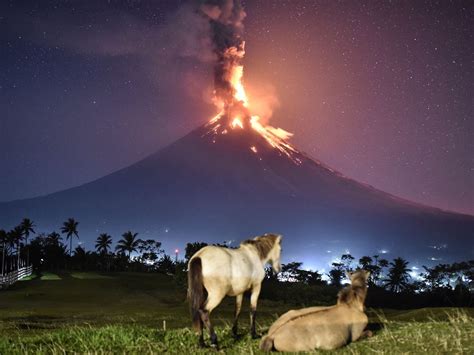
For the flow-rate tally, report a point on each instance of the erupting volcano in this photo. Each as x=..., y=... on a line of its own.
x=229, y=95
x=236, y=177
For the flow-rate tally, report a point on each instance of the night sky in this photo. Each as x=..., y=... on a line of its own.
x=381, y=91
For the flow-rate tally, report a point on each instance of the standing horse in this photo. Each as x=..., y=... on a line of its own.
x=229, y=272
x=325, y=328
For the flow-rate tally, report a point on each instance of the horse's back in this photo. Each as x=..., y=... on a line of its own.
x=227, y=270
x=215, y=260
x=327, y=329
x=293, y=315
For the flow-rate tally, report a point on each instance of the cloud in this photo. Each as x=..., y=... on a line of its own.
x=182, y=34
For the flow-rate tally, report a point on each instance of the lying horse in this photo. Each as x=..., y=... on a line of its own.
x=229, y=272
x=325, y=328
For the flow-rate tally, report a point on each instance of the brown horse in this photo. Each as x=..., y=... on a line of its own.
x=229, y=272
x=325, y=328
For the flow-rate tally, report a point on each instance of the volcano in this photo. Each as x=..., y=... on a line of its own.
x=237, y=177
x=212, y=187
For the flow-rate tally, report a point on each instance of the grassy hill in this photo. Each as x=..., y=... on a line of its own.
x=137, y=312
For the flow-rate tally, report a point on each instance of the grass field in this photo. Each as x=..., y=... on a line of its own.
x=127, y=312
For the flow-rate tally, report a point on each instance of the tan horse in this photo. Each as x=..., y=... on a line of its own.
x=323, y=327
x=229, y=272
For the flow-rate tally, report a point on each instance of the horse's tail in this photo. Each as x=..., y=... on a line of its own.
x=195, y=290
x=267, y=343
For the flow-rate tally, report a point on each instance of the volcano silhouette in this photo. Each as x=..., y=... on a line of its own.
x=216, y=187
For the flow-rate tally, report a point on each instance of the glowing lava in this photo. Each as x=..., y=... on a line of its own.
x=234, y=110
x=236, y=122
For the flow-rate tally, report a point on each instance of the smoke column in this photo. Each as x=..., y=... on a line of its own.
x=225, y=18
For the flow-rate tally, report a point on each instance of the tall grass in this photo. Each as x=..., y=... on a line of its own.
x=453, y=334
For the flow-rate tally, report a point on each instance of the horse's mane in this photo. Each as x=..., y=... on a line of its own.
x=263, y=244
x=356, y=292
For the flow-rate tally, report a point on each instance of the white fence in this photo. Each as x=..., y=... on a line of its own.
x=13, y=276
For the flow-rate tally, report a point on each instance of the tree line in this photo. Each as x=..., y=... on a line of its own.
x=53, y=251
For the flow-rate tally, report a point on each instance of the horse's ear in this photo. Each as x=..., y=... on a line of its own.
x=367, y=274
x=279, y=238
x=349, y=275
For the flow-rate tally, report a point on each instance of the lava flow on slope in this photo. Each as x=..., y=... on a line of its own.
x=230, y=96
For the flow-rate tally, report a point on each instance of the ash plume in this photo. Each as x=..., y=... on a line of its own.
x=225, y=18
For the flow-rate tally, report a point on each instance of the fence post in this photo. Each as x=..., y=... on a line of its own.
x=10, y=277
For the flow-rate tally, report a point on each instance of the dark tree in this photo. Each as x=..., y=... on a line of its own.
x=54, y=238
x=80, y=257
x=15, y=237
x=54, y=251
x=150, y=251
x=3, y=243
x=103, y=243
x=70, y=228
x=336, y=274
x=365, y=262
x=128, y=243
x=192, y=248
x=166, y=265
x=310, y=277
x=346, y=260
x=37, y=247
x=270, y=274
x=376, y=269
x=27, y=227
x=369, y=264
x=398, y=275
x=291, y=271
x=434, y=277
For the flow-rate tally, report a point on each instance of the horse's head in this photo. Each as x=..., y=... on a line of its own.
x=275, y=253
x=354, y=294
x=358, y=277
x=268, y=248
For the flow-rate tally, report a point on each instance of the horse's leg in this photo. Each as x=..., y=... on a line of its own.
x=202, y=344
x=238, y=306
x=212, y=302
x=253, y=308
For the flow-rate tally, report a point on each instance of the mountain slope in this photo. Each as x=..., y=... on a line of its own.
x=217, y=187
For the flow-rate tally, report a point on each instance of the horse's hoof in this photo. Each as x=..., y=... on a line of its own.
x=215, y=346
x=256, y=336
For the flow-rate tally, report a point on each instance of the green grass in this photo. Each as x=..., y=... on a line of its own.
x=125, y=312
x=89, y=276
x=49, y=276
x=29, y=277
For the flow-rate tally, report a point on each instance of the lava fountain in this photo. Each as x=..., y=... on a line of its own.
x=230, y=96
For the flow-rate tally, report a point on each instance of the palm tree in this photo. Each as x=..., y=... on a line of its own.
x=54, y=250
x=3, y=241
x=10, y=243
x=54, y=238
x=27, y=226
x=103, y=243
x=16, y=235
x=128, y=243
x=397, y=275
x=365, y=262
x=70, y=228
x=347, y=259
x=336, y=274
